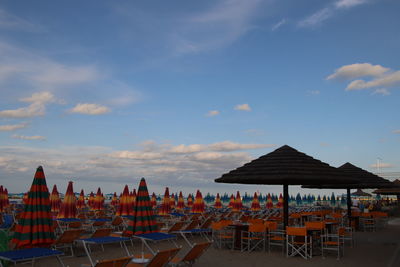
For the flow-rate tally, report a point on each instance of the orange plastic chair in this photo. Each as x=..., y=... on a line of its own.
x=254, y=237
x=298, y=242
x=334, y=242
x=120, y=262
x=275, y=237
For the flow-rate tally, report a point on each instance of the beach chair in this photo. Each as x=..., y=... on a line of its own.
x=275, y=237
x=160, y=259
x=298, y=242
x=192, y=255
x=334, y=242
x=174, y=228
x=120, y=262
x=220, y=235
x=117, y=223
x=67, y=239
x=254, y=238
x=30, y=254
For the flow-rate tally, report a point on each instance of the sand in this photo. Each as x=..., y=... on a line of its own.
x=380, y=248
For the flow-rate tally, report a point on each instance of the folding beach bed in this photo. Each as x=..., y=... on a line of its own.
x=30, y=254
x=154, y=238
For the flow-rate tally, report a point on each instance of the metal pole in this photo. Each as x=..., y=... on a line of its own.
x=285, y=206
x=349, y=206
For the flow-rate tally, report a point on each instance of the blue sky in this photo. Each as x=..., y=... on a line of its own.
x=180, y=92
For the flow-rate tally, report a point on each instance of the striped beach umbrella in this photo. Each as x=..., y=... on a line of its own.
x=2, y=202
x=114, y=200
x=181, y=202
x=172, y=201
x=198, y=205
x=6, y=200
x=218, y=203
x=142, y=221
x=25, y=198
x=125, y=208
x=269, y=204
x=68, y=206
x=231, y=202
x=80, y=204
x=35, y=226
x=154, y=200
x=189, y=203
x=279, y=205
x=98, y=200
x=55, y=200
x=91, y=200
x=255, y=204
x=165, y=207
x=238, y=205
x=133, y=198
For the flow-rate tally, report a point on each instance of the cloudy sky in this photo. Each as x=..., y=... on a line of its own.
x=179, y=92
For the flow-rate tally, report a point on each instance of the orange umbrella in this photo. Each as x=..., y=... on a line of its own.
x=255, y=204
x=269, y=204
x=198, y=206
x=114, y=200
x=68, y=206
x=181, y=202
x=91, y=200
x=6, y=200
x=35, y=226
x=55, y=200
x=189, y=201
x=153, y=200
x=165, y=208
x=98, y=200
x=280, y=202
x=125, y=207
x=172, y=201
x=231, y=201
x=218, y=203
x=237, y=206
x=2, y=206
x=133, y=198
x=80, y=204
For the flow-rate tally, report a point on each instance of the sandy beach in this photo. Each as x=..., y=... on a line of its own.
x=380, y=248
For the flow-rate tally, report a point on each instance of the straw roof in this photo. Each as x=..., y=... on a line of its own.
x=287, y=166
x=365, y=179
x=390, y=191
x=360, y=193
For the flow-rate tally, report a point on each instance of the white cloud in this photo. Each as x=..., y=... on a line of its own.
x=13, y=127
x=181, y=149
x=278, y=24
x=23, y=137
x=90, y=109
x=138, y=155
x=349, y=3
x=396, y=131
x=231, y=146
x=36, y=108
x=243, y=107
x=382, y=165
x=357, y=70
x=383, y=81
x=381, y=91
x=212, y=113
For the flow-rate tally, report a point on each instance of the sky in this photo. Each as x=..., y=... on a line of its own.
x=103, y=93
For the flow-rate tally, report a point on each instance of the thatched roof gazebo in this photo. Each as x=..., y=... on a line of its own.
x=360, y=193
x=286, y=166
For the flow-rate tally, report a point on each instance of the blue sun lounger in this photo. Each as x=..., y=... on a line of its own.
x=154, y=238
x=30, y=254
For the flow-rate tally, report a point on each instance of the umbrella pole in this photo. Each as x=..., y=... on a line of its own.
x=349, y=206
x=285, y=206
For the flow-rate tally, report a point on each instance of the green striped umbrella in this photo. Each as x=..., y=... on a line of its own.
x=35, y=227
x=142, y=221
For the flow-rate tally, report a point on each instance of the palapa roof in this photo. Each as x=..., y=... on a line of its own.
x=361, y=193
x=365, y=179
x=390, y=191
x=287, y=166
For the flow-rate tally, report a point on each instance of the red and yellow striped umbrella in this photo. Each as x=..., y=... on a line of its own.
x=172, y=201
x=237, y=206
x=189, y=201
x=98, y=200
x=55, y=200
x=133, y=198
x=6, y=200
x=125, y=208
x=269, y=204
x=143, y=220
x=255, y=204
x=181, y=202
x=68, y=206
x=80, y=204
x=35, y=226
x=218, y=203
x=231, y=202
x=165, y=207
x=2, y=199
x=280, y=202
x=153, y=200
x=198, y=205
x=91, y=200
x=114, y=200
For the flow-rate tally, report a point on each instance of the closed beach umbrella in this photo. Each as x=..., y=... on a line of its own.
x=181, y=202
x=142, y=220
x=25, y=198
x=68, y=206
x=35, y=226
x=80, y=204
x=114, y=200
x=55, y=200
x=299, y=201
x=255, y=204
x=133, y=198
x=198, y=205
x=238, y=205
x=98, y=200
x=333, y=200
x=231, y=202
x=172, y=201
x=6, y=200
x=218, y=203
x=125, y=208
x=91, y=200
x=269, y=204
x=154, y=200
x=165, y=207
x=189, y=201
x=2, y=206
x=280, y=203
